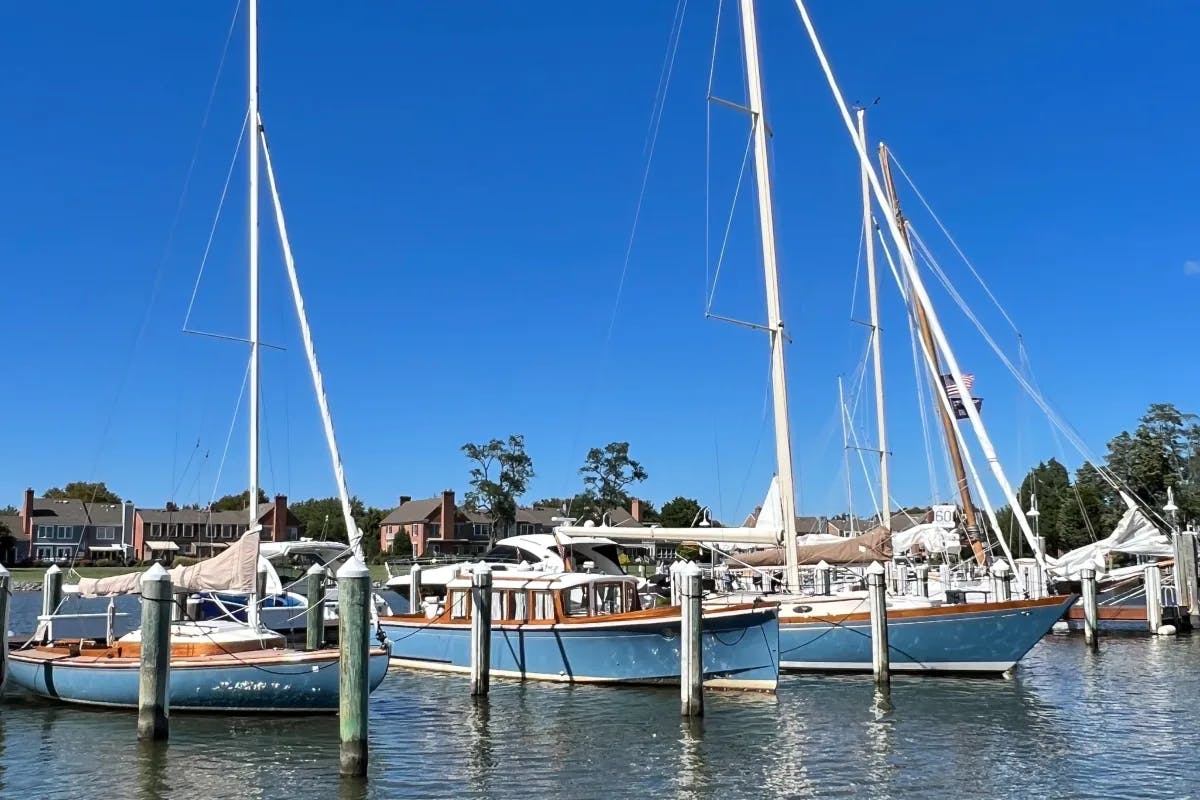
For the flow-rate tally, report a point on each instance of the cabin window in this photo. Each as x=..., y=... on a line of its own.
x=610, y=598
x=500, y=606
x=520, y=610
x=576, y=600
x=458, y=605
x=543, y=605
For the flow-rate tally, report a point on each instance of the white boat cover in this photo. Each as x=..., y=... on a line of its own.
x=933, y=538
x=233, y=570
x=1134, y=534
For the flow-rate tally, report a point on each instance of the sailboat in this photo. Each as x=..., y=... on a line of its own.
x=216, y=665
x=832, y=632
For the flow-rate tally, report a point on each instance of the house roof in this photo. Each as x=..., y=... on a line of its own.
x=48, y=511
x=201, y=516
x=13, y=523
x=538, y=516
x=621, y=517
x=413, y=511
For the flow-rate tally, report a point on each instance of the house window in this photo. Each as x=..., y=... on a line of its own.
x=46, y=532
x=45, y=553
x=172, y=531
x=62, y=553
x=64, y=532
x=482, y=529
x=524, y=528
x=189, y=531
x=155, y=531
x=106, y=534
x=228, y=532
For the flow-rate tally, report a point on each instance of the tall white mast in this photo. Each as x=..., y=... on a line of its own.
x=885, y=507
x=252, y=130
x=766, y=219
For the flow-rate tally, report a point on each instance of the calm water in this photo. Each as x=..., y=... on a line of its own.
x=1069, y=724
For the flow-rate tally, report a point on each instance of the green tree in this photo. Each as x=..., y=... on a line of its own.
x=237, y=502
x=9, y=511
x=321, y=518
x=85, y=491
x=608, y=472
x=500, y=475
x=8, y=547
x=681, y=512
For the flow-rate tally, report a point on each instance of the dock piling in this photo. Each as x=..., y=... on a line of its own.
x=314, y=590
x=51, y=598
x=1186, y=575
x=5, y=582
x=1003, y=579
x=824, y=578
x=1152, y=583
x=691, y=654
x=481, y=630
x=154, y=672
x=923, y=580
x=415, y=605
x=354, y=594
x=877, y=598
x=1091, y=610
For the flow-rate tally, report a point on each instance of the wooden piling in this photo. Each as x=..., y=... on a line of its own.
x=1152, y=583
x=354, y=594
x=155, y=668
x=5, y=593
x=314, y=590
x=923, y=580
x=1091, y=610
x=414, y=590
x=481, y=630
x=824, y=578
x=691, y=652
x=1186, y=574
x=1003, y=581
x=877, y=599
x=51, y=598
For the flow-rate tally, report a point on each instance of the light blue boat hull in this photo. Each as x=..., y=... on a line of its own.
x=739, y=652
x=981, y=638
x=310, y=686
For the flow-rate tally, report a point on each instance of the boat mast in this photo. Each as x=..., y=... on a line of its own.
x=948, y=423
x=252, y=131
x=885, y=506
x=766, y=219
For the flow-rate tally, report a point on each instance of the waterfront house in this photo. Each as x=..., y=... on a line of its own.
x=57, y=530
x=162, y=534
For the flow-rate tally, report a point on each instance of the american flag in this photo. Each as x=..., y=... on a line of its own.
x=952, y=386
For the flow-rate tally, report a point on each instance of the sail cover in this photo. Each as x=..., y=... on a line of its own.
x=234, y=570
x=873, y=546
x=933, y=538
x=1134, y=534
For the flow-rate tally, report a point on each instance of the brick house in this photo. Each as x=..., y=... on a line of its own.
x=198, y=533
x=72, y=530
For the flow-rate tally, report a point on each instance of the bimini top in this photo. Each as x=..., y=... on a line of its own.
x=507, y=579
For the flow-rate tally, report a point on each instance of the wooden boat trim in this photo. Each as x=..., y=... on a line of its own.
x=932, y=611
x=95, y=659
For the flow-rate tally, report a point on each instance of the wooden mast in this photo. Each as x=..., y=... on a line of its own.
x=948, y=423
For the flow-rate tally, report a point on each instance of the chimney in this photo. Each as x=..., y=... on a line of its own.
x=27, y=518
x=404, y=499
x=635, y=509
x=447, y=516
x=279, y=519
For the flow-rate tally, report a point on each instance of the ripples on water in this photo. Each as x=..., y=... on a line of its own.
x=1070, y=724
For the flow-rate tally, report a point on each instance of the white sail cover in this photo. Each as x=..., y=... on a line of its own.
x=771, y=515
x=233, y=570
x=1134, y=534
x=933, y=538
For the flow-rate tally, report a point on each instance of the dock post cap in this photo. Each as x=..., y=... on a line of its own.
x=482, y=568
x=53, y=570
x=822, y=564
x=1087, y=572
x=689, y=568
x=1001, y=568
x=316, y=569
x=875, y=568
x=3, y=572
x=354, y=568
x=156, y=574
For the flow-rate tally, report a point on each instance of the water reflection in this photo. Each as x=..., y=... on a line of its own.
x=151, y=771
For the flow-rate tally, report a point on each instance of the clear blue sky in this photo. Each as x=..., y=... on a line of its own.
x=460, y=180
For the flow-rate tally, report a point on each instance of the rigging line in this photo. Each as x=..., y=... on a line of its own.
x=1073, y=437
x=167, y=245
x=858, y=265
x=212, y=231
x=953, y=243
x=712, y=66
x=229, y=437
x=762, y=425
x=737, y=190
x=664, y=71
